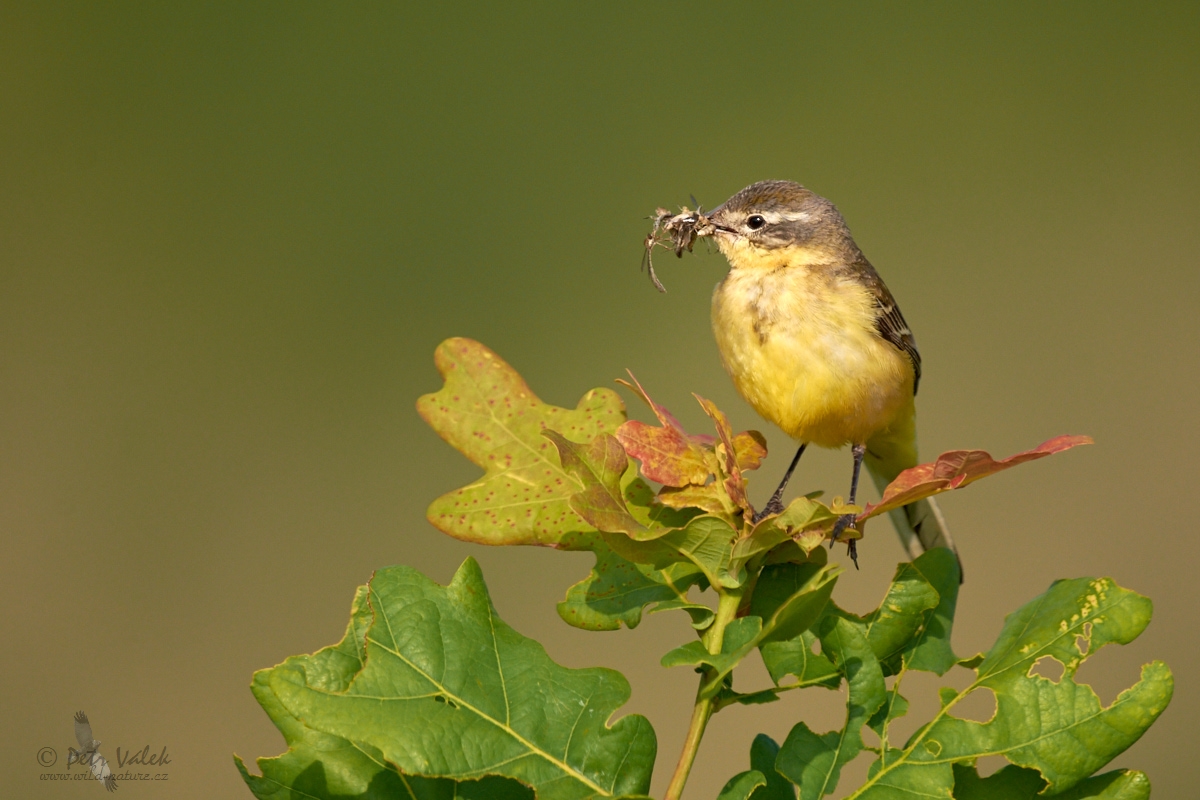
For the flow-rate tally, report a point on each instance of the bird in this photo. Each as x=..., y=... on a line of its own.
x=89, y=753
x=816, y=344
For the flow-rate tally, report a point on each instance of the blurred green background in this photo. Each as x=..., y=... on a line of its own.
x=232, y=235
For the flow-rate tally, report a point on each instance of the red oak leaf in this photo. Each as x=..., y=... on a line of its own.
x=957, y=468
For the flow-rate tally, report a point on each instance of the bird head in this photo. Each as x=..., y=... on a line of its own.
x=780, y=223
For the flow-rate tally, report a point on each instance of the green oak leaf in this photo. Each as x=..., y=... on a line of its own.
x=705, y=541
x=702, y=616
x=642, y=505
x=900, y=618
x=787, y=620
x=543, y=487
x=931, y=651
x=912, y=623
x=814, y=762
x=488, y=413
x=1018, y=783
x=798, y=612
x=738, y=634
x=762, y=781
x=801, y=514
x=894, y=707
x=901, y=780
x=727, y=697
x=763, y=753
x=793, y=656
x=1059, y=729
x=743, y=785
x=617, y=591
x=323, y=766
x=447, y=689
x=797, y=657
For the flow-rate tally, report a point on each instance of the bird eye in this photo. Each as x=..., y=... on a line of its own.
x=755, y=221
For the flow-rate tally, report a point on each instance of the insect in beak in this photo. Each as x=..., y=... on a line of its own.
x=677, y=232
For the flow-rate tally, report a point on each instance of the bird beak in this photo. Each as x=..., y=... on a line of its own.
x=716, y=219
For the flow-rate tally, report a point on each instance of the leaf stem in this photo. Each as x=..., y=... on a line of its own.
x=713, y=640
x=730, y=698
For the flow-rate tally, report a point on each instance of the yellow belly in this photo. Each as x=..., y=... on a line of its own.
x=802, y=349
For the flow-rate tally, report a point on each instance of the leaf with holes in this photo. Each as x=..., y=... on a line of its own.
x=1057, y=728
x=446, y=689
x=1017, y=783
x=488, y=413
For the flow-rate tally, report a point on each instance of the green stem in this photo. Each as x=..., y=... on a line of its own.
x=713, y=639
x=700, y=715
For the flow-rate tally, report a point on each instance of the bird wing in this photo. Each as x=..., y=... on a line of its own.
x=101, y=772
x=891, y=326
x=83, y=730
x=895, y=450
x=890, y=322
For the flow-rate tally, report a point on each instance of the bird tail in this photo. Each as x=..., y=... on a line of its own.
x=890, y=453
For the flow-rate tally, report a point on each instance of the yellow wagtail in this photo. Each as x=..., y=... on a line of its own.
x=815, y=342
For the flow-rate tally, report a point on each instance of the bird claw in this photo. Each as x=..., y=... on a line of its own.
x=773, y=506
x=843, y=522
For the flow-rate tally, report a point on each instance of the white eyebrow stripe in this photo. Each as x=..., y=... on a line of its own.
x=774, y=217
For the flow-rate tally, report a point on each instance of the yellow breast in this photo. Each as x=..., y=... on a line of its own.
x=801, y=346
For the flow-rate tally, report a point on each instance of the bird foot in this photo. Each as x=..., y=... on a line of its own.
x=843, y=522
x=773, y=506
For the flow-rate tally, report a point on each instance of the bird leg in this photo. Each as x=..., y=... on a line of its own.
x=775, y=504
x=846, y=520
